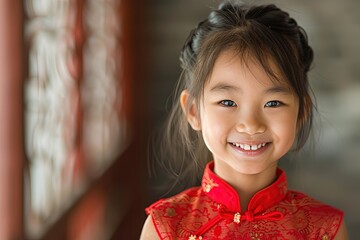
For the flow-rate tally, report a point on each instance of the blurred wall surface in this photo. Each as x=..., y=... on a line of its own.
x=330, y=169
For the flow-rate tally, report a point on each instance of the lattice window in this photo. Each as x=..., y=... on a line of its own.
x=73, y=97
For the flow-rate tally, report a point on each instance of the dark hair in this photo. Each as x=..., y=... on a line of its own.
x=265, y=33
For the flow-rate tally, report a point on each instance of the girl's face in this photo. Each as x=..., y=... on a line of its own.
x=247, y=120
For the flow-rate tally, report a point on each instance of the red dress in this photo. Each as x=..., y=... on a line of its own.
x=213, y=211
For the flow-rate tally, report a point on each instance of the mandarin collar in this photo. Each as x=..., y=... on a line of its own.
x=222, y=193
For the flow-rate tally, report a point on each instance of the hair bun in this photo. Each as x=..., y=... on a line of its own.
x=192, y=45
x=307, y=52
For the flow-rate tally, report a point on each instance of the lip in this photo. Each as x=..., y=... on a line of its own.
x=250, y=153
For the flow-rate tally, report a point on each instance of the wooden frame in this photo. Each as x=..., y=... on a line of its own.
x=11, y=123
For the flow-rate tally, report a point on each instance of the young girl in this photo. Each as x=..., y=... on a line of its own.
x=245, y=95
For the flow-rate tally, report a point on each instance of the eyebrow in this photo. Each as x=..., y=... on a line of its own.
x=224, y=87
x=275, y=89
x=279, y=89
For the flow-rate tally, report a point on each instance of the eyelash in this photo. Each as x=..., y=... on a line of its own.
x=270, y=104
x=228, y=103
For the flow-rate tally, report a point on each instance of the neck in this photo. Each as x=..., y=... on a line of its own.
x=247, y=185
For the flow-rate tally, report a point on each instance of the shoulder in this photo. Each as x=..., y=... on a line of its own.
x=342, y=232
x=187, y=198
x=316, y=216
x=302, y=200
x=149, y=232
x=170, y=216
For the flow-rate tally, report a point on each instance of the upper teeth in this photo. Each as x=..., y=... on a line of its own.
x=249, y=147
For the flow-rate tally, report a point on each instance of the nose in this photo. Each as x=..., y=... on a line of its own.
x=250, y=122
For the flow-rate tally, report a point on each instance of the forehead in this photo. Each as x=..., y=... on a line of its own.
x=232, y=67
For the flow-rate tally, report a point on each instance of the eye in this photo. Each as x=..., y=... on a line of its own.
x=228, y=103
x=273, y=104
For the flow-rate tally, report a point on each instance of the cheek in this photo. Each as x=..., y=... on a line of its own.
x=214, y=126
x=285, y=129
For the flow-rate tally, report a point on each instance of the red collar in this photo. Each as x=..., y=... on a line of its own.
x=221, y=192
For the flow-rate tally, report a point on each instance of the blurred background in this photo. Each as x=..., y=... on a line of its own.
x=86, y=83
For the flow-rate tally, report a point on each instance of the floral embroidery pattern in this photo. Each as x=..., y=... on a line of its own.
x=208, y=183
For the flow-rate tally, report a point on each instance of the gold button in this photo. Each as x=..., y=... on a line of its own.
x=194, y=237
x=237, y=217
x=325, y=237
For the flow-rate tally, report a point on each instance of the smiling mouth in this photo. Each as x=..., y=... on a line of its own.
x=248, y=147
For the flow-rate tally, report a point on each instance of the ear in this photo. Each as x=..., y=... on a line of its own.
x=192, y=113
